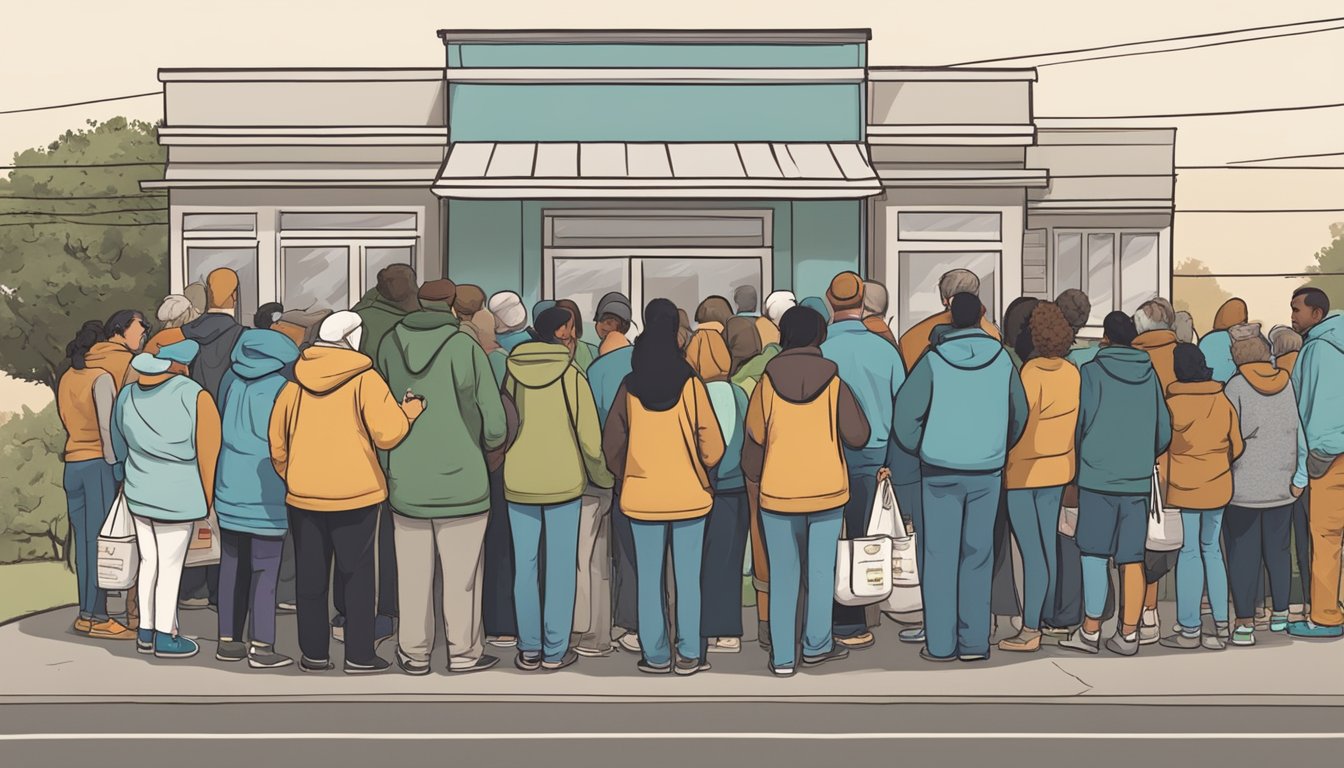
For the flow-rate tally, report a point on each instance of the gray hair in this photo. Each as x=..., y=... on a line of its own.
x=956, y=281
x=875, y=299
x=745, y=297
x=1284, y=340
x=1250, y=349
x=1184, y=327
x=1154, y=315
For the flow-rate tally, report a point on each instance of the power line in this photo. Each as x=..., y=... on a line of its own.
x=4, y=197
x=1179, y=38
x=82, y=103
x=1287, y=157
x=85, y=223
x=1260, y=210
x=84, y=213
x=78, y=165
x=1188, y=47
x=1260, y=110
x=1260, y=167
x=1262, y=274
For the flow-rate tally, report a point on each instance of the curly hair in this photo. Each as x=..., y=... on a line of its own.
x=1051, y=333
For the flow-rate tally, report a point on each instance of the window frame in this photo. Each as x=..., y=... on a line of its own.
x=1118, y=235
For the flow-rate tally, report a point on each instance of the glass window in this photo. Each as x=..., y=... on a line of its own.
x=202, y=261
x=706, y=231
x=378, y=257
x=920, y=272
x=317, y=220
x=1138, y=269
x=1068, y=262
x=949, y=225
x=586, y=281
x=1100, y=275
x=219, y=222
x=688, y=281
x=316, y=277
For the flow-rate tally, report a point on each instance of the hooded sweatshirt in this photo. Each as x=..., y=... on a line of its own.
x=249, y=495
x=915, y=342
x=1276, y=455
x=112, y=357
x=439, y=470
x=1205, y=440
x=217, y=333
x=730, y=410
x=379, y=315
x=751, y=371
x=1316, y=379
x=607, y=372
x=872, y=368
x=1161, y=348
x=800, y=419
x=1123, y=422
x=963, y=405
x=1217, y=344
x=1045, y=456
x=326, y=426
x=558, y=451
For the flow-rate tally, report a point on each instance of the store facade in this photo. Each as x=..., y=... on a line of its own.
x=658, y=163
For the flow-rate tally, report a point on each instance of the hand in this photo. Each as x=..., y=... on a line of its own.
x=883, y=474
x=1297, y=492
x=413, y=405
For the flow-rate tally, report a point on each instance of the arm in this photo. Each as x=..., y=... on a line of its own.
x=1300, y=479
x=104, y=400
x=383, y=416
x=854, y=427
x=1163, y=422
x=208, y=440
x=590, y=435
x=708, y=436
x=912, y=407
x=119, y=447
x=616, y=434
x=753, y=446
x=1017, y=408
x=278, y=432
x=1234, y=434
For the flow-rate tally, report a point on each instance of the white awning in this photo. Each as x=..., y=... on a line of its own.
x=657, y=170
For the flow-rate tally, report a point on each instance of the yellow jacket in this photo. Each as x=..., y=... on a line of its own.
x=915, y=342
x=1045, y=457
x=325, y=429
x=1161, y=349
x=1205, y=440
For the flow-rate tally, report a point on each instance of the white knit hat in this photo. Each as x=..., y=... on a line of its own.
x=341, y=329
x=510, y=314
x=174, y=307
x=777, y=303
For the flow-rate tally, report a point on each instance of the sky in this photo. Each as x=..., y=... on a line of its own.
x=93, y=50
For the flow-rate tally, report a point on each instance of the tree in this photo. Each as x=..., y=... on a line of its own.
x=1330, y=262
x=1194, y=290
x=33, y=521
x=78, y=243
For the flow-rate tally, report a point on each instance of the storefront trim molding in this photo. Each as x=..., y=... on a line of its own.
x=659, y=36
x=655, y=76
x=980, y=177
x=304, y=136
x=947, y=74
x=952, y=135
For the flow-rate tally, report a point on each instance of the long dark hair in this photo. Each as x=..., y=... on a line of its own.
x=548, y=322
x=801, y=327
x=658, y=368
x=90, y=333
x=121, y=320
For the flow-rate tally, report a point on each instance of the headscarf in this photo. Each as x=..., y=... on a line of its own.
x=510, y=315
x=658, y=371
x=341, y=329
x=484, y=323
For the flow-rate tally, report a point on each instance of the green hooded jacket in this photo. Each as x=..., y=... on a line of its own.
x=378, y=317
x=558, y=451
x=439, y=470
x=750, y=373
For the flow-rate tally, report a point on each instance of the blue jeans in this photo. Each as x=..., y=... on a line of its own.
x=849, y=621
x=792, y=540
x=1034, y=514
x=555, y=616
x=687, y=538
x=1200, y=560
x=959, y=512
x=90, y=490
x=910, y=500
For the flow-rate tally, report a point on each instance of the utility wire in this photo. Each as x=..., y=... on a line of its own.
x=1256, y=111
x=1188, y=47
x=1287, y=157
x=1260, y=210
x=77, y=165
x=4, y=197
x=81, y=213
x=1260, y=167
x=81, y=103
x=85, y=223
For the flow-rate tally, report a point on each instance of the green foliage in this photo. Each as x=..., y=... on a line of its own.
x=33, y=518
x=1194, y=292
x=1330, y=259
x=66, y=258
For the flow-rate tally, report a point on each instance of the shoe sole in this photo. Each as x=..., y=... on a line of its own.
x=469, y=670
x=680, y=672
x=94, y=636
x=305, y=668
x=160, y=655
x=1019, y=648
x=218, y=657
x=712, y=649
x=413, y=671
x=258, y=665
x=349, y=670
x=589, y=653
x=783, y=673
x=654, y=670
x=818, y=661
x=972, y=659
x=556, y=667
x=1148, y=640
x=147, y=650
x=859, y=647
x=1243, y=643
x=1121, y=651
x=1090, y=650
x=911, y=640
x=526, y=666
x=936, y=659
x=502, y=643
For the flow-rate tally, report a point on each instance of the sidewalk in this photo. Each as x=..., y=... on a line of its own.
x=43, y=661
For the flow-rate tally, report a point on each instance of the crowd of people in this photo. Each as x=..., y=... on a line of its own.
x=437, y=454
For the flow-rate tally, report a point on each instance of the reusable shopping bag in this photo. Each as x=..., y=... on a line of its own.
x=204, y=547
x=1165, y=533
x=118, y=551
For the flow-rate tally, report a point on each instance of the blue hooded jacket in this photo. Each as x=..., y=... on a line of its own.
x=963, y=405
x=605, y=376
x=249, y=495
x=1123, y=422
x=1316, y=378
x=874, y=372
x=1217, y=349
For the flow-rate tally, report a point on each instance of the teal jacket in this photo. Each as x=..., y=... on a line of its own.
x=439, y=470
x=605, y=376
x=874, y=372
x=1317, y=378
x=507, y=341
x=154, y=436
x=249, y=495
x=1123, y=422
x=1083, y=352
x=963, y=405
x=1217, y=349
x=730, y=409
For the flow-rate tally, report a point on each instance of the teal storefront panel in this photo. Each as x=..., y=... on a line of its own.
x=542, y=55
x=604, y=112
x=485, y=243
x=827, y=239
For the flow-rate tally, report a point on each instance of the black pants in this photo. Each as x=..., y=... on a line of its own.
x=348, y=539
x=721, y=572
x=847, y=620
x=497, y=612
x=1003, y=598
x=386, y=565
x=1068, y=607
x=200, y=581
x=242, y=584
x=624, y=594
x=1301, y=593
x=1256, y=539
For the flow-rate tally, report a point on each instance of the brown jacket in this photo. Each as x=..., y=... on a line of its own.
x=915, y=342
x=1205, y=440
x=1161, y=349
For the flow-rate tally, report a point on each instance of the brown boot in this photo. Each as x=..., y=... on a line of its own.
x=1025, y=641
x=82, y=626
x=111, y=630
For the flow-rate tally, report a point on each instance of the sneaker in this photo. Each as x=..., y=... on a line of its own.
x=1262, y=619
x=263, y=656
x=231, y=650
x=1243, y=636
x=630, y=642
x=480, y=664
x=376, y=664
x=1311, y=629
x=1123, y=646
x=82, y=626
x=973, y=657
x=1079, y=641
x=1278, y=621
x=315, y=665
x=411, y=666
x=925, y=655
x=383, y=628
x=569, y=658
x=724, y=645
x=857, y=642
x=644, y=666
x=338, y=628
x=781, y=671
x=1022, y=643
x=912, y=635
x=1181, y=641
x=837, y=653
x=168, y=646
x=1218, y=640
x=193, y=603
x=286, y=607
x=527, y=662
x=1058, y=633
x=110, y=629
x=686, y=667
x=763, y=634
x=593, y=653
x=144, y=641
x=503, y=641
x=1149, y=634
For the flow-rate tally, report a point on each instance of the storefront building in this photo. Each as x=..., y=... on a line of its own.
x=658, y=163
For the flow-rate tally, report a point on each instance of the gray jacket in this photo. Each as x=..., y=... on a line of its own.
x=1267, y=408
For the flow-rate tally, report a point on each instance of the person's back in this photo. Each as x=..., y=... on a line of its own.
x=1123, y=423
x=1266, y=407
x=385, y=305
x=1045, y=455
x=872, y=368
x=216, y=331
x=1316, y=375
x=1205, y=439
x=605, y=376
x=1153, y=321
x=1217, y=344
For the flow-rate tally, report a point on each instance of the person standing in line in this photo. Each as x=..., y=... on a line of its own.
x=174, y=312
x=438, y=482
x=386, y=304
x=743, y=331
x=1184, y=328
x=960, y=411
x=818, y=305
x=1259, y=521
x=85, y=397
x=1316, y=375
x=662, y=441
x=776, y=304
x=875, y=304
x=1205, y=440
x=250, y=499
x=324, y=433
x=1217, y=344
x=1016, y=334
x=606, y=375
x=1123, y=427
x=1285, y=344
x=1077, y=308
x=800, y=419
x=555, y=458
x=746, y=298
x=165, y=431
x=267, y=314
x=1040, y=465
x=872, y=369
x=510, y=320
x=584, y=352
x=470, y=299
x=710, y=318
x=915, y=342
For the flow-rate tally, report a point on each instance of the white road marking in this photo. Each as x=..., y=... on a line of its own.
x=678, y=736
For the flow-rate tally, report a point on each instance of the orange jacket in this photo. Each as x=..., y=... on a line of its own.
x=1045, y=457
x=1205, y=440
x=915, y=342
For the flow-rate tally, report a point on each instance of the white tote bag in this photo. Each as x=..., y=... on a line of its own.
x=204, y=546
x=1165, y=533
x=863, y=570
x=118, y=552
x=886, y=519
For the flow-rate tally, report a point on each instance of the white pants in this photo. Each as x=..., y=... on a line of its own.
x=456, y=546
x=163, y=548
x=592, y=604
